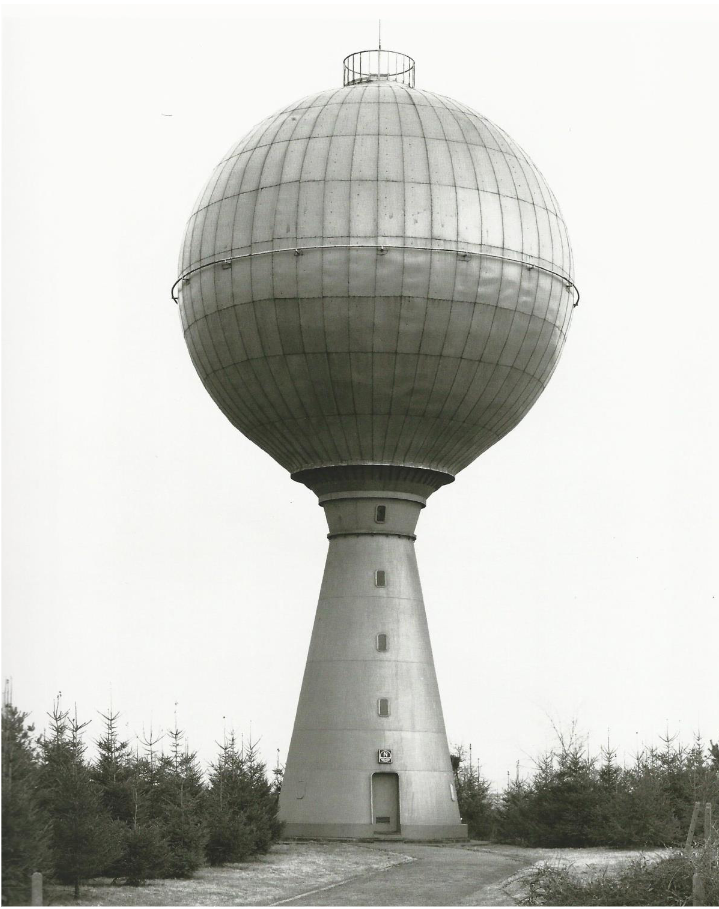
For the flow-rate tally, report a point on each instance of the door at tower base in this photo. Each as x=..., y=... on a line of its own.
x=385, y=802
x=370, y=691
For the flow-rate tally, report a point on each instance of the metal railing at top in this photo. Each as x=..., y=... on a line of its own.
x=378, y=66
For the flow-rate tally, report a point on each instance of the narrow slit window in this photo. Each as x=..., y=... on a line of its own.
x=382, y=643
x=383, y=706
x=380, y=514
x=380, y=578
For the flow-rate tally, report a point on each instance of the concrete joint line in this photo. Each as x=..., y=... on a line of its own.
x=371, y=533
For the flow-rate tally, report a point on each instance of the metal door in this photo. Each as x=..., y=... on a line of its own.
x=385, y=802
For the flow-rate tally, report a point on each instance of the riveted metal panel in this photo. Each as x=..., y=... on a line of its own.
x=390, y=214
x=244, y=217
x=314, y=161
x=314, y=339
x=386, y=325
x=363, y=209
x=388, y=272
x=311, y=206
x=335, y=274
x=418, y=210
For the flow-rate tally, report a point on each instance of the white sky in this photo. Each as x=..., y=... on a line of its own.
x=153, y=555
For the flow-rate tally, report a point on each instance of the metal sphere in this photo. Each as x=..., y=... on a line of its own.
x=376, y=275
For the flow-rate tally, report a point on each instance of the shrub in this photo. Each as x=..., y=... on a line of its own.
x=577, y=800
x=145, y=855
x=667, y=882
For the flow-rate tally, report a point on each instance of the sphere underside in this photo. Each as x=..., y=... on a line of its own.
x=390, y=287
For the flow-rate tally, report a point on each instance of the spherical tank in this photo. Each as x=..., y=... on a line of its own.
x=376, y=275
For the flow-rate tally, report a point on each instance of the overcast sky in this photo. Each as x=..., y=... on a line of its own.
x=156, y=559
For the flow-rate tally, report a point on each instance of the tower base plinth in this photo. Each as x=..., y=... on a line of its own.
x=419, y=832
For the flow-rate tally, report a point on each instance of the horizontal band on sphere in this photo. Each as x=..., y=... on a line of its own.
x=226, y=261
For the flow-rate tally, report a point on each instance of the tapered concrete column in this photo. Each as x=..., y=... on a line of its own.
x=370, y=684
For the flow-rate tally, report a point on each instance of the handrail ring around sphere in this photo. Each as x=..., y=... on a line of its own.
x=226, y=261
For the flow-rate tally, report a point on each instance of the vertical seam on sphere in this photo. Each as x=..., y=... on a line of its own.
x=258, y=379
x=479, y=359
x=544, y=189
x=200, y=345
x=187, y=300
x=375, y=263
x=348, y=298
x=339, y=425
x=220, y=325
x=234, y=411
x=351, y=365
x=293, y=443
x=452, y=114
x=303, y=445
x=458, y=434
x=237, y=306
x=550, y=204
x=312, y=438
x=410, y=441
x=495, y=366
x=522, y=276
x=402, y=298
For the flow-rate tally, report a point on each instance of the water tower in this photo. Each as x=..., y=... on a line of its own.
x=375, y=287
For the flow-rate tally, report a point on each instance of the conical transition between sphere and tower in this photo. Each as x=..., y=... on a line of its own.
x=375, y=287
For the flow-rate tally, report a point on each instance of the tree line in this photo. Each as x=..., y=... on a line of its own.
x=577, y=799
x=130, y=815
x=151, y=812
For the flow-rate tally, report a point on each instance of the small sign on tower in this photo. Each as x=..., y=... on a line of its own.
x=384, y=756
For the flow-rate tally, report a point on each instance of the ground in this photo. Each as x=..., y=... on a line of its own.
x=351, y=874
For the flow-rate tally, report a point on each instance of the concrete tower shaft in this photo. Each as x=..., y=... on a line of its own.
x=370, y=685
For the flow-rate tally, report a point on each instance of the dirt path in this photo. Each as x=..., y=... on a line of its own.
x=436, y=876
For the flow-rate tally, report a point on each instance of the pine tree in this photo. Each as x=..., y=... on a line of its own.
x=230, y=836
x=642, y=809
x=242, y=805
x=112, y=770
x=264, y=806
x=473, y=796
x=25, y=826
x=558, y=807
x=606, y=827
x=515, y=817
x=713, y=755
x=85, y=840
x=146, y=779
x=179, y=800
x=565, y=797
x=278, y=775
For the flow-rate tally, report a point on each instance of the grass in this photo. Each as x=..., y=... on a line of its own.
x=289, y=870
x=644, y=881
